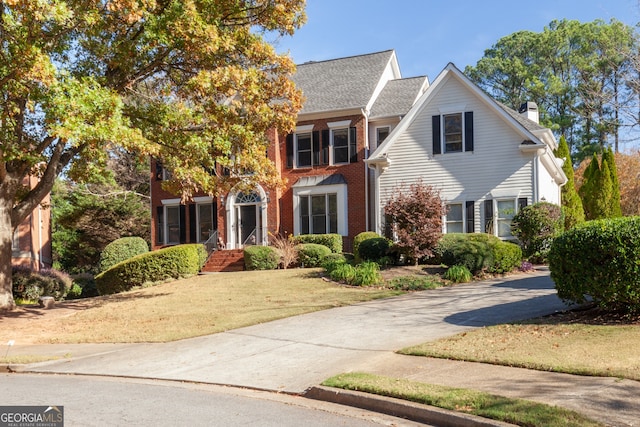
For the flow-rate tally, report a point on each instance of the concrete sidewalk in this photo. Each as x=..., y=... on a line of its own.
x=294, y=354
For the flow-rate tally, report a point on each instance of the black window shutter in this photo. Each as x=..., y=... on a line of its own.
x=289, y=148
x=158, y=170
x=193, y=237
x=470, y=205
x=488, y=216
x=522, y=202
x=325, y=146
x=214, y=210
x=468, y=131
x=315, y=143
x=435, y=126
x=183, y=225
x=160, y=225
x=353, y=145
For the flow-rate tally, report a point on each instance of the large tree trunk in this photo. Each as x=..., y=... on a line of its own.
x=6, y=235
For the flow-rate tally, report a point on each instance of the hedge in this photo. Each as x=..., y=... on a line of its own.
x=599, y=260
x=478, y=252
x=373, y=249
x=312, y=254
x=172, y=262
x=261, y=258
x=332, y=241
x=361, y=237
x=122, y=249
x=30, y=285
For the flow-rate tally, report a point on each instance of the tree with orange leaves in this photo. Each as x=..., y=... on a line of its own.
x=193, y=83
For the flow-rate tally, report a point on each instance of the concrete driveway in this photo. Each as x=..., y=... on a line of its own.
x=296, y=353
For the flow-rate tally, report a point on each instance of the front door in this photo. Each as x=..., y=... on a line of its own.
x=248, y=225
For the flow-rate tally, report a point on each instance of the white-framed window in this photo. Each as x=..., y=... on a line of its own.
x=381, y=134
x=452, y=132
x=304, y=146
x=319, y=213
x=342, y=142
x=172, y=224
x=505, y=211
x=204, y=220
x=169, y=222
x=320, y=209
x=454, y=219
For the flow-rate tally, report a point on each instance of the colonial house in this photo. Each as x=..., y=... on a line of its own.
x=351, y=105
x=363, y=132
x=31, y=243
x=487, y=160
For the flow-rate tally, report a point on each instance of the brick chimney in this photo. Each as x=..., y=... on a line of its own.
x=530, y=111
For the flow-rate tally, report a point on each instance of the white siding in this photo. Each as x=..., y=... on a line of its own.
x=496, y=165
x=547, y=187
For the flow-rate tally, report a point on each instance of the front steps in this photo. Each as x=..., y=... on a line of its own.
x=224, y=261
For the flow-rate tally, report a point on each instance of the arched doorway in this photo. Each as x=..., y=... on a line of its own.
x=247, y=215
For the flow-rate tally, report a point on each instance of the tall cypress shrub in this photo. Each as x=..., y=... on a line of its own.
x=589, y=187
x=571, y=203
x=615, y=206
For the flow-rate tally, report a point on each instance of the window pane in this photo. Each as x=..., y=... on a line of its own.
x=341, y=146
x=506, y=209
x=382, y=134
x=205, y=225
x=333, y=213
x=318, y=205
x=455, y=213
x=173, y=224
x=319, y=224
x=454, y=221
x=304, y=214
x=304, y=150
x=453, y=132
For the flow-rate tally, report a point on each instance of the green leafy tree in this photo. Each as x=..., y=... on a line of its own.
x=191, y=82
x=415, y=218
x=571, y=203
x=581, y=75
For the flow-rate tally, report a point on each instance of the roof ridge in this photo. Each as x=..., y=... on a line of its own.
x=345, y=57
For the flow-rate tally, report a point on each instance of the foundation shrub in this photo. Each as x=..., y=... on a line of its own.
x=536, y=226
x=332, y=241
x=507, y=256
x=332, y=261
x=312, y=254
x=361, y=237
x=261, y=258
x=598, y=261
x=373, y=249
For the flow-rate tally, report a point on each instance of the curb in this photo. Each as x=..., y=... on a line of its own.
x=400, y=408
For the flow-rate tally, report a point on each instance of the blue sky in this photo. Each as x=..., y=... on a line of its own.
x=428, y=34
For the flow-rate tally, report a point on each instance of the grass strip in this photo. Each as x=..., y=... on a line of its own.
x=516, y=411
x=580, y=349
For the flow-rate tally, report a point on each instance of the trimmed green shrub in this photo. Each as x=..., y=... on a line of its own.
x=458, y=274
x=31, y=285
x=87, y=283
x=332, y=241
x=312, y=254
x=361, y=237
x=168, y=263
x=536, y=226
x=261, y=258
x=507, y=256
x=472, y=250
x=478, y=252
x=122, y=249
x=373, y=249
x=598, y=260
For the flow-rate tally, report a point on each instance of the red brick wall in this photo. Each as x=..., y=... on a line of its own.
x=354, y=173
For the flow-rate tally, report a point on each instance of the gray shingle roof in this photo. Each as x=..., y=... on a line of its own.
x=397, y=97
x=312, y=181
x=528, y=124
x=342, y=83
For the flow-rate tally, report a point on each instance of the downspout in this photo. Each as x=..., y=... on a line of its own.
x=365, y=114
x=40, y=237
x=536, y=182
